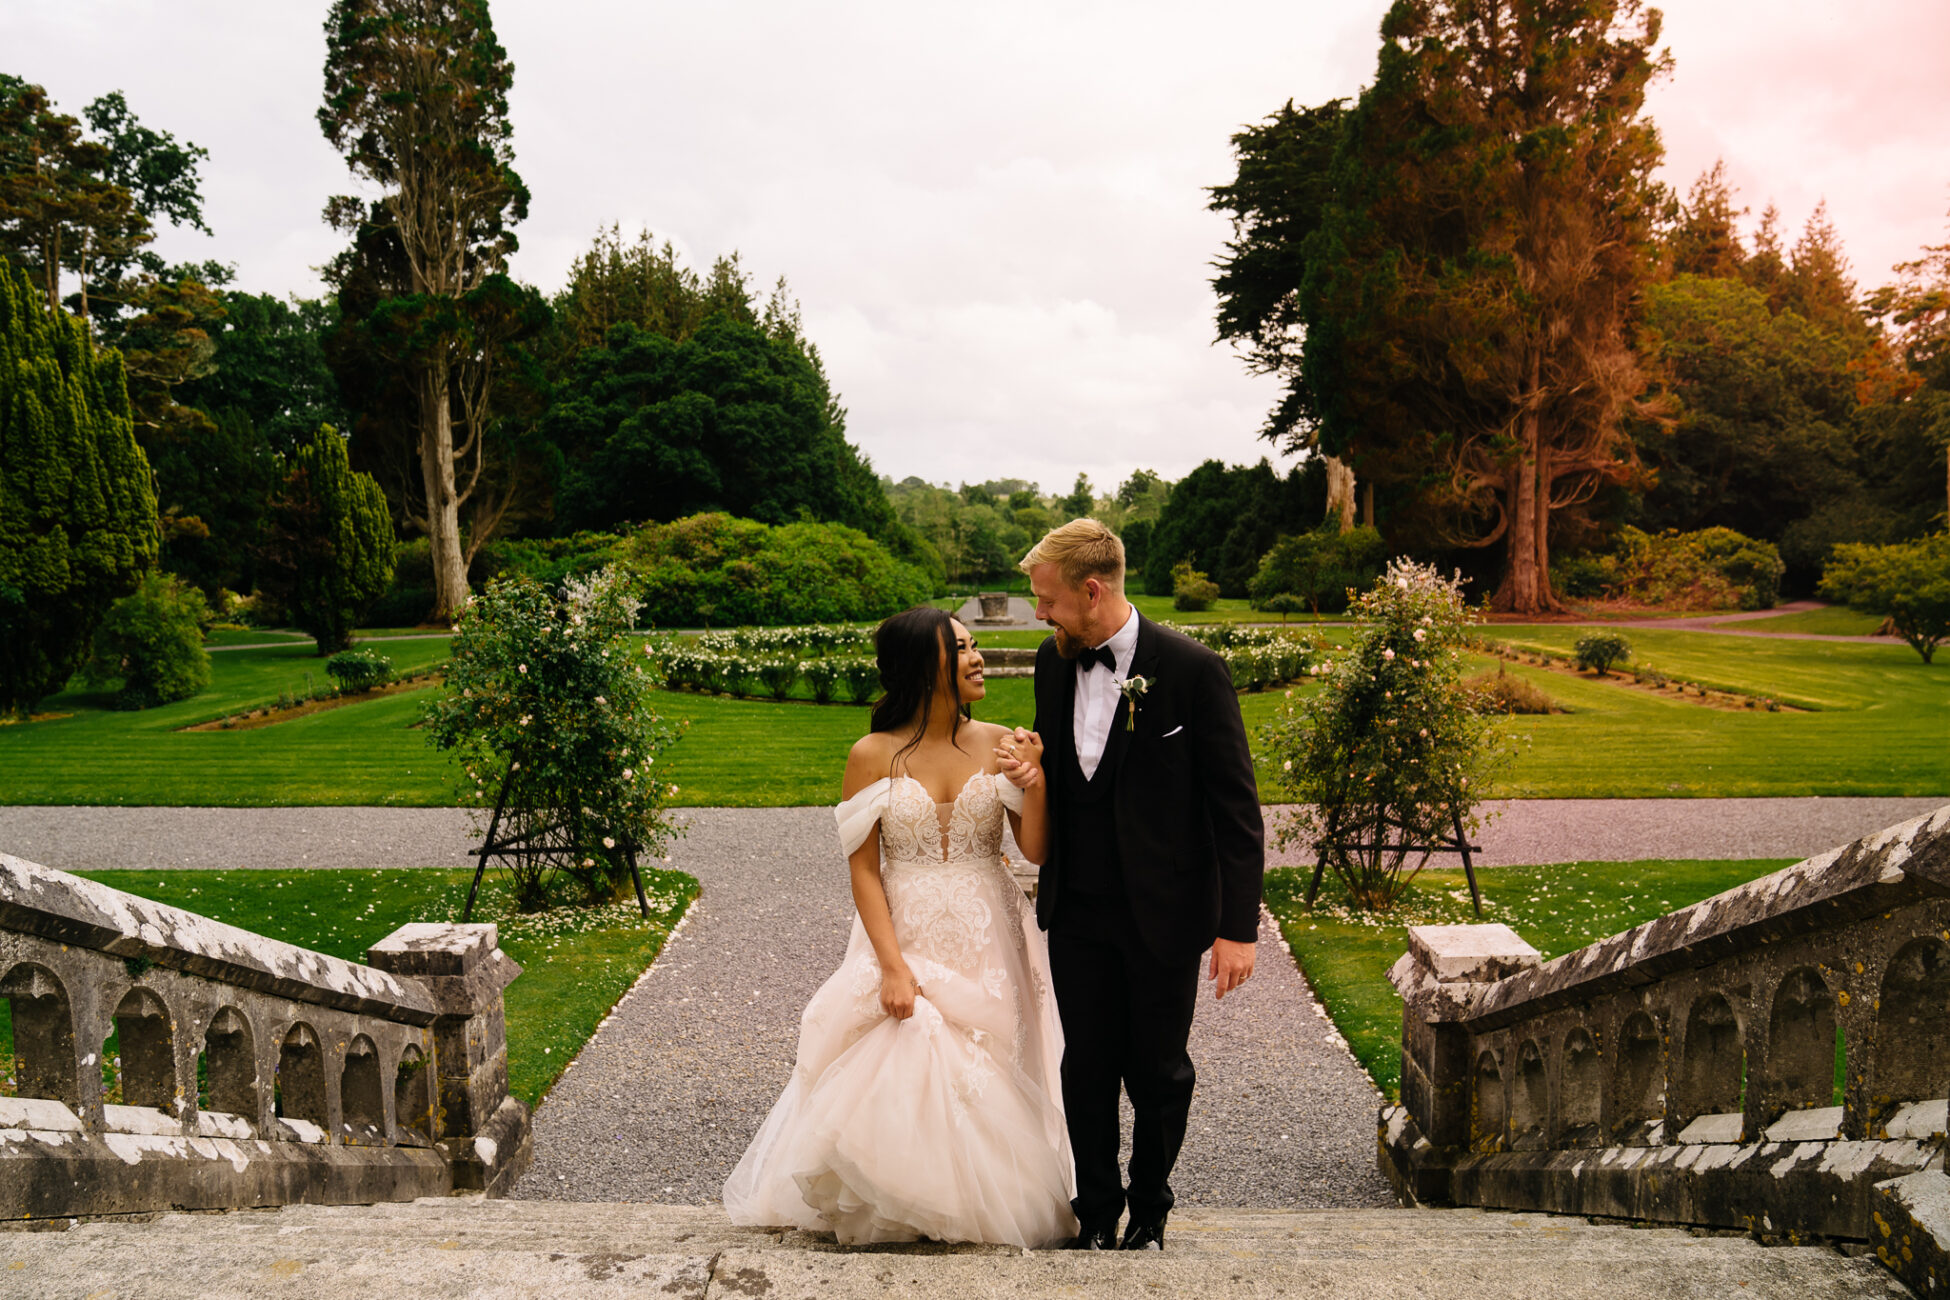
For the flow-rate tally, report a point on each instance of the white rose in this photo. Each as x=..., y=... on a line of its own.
x=1388, y=655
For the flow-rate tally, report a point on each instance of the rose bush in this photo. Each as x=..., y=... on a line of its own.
x=547, y=693
x=1393, y=746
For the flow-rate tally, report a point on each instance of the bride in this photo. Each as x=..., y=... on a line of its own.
x=925, y=1101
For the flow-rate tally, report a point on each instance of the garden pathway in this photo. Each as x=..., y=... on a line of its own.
x=1523, y=831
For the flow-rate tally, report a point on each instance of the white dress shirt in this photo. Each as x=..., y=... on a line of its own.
x=1097, y=696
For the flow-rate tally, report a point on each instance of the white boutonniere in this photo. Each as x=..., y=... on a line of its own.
x=1133, y=689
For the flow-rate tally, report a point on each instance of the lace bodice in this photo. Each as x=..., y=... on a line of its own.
x=915, y=830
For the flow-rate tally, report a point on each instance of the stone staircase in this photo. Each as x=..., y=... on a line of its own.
x=469, y=1247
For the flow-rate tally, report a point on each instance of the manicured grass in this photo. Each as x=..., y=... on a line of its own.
x=229, y=636
x=1225, y=610
x=575, y=963
x=1831, y=620
x=1877, y=723
x=360, y=753
x=1875, y=726
x=1557, y=909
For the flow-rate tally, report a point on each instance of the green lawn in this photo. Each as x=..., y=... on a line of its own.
x=360, y=753
x=575, y=963
x=1226, y=610
x=1876, y=722
x=1832, y=620
x=222, y=637
x=1557, y=909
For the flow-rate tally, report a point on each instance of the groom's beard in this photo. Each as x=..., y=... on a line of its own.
x=1067, y=646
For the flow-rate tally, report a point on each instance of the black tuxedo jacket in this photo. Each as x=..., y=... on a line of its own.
x=1189, y=832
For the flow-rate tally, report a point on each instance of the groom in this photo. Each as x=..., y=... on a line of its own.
x=1156, y=854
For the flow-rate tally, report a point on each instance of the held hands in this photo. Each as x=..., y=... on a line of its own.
x=897, y=992
x=1020, y=757
x=1232, y=965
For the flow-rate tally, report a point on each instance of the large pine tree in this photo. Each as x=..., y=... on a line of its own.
x=1469, y=294
x=77, y=511
x=416, y=98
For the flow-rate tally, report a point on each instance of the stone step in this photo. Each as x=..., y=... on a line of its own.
x=465, y=1247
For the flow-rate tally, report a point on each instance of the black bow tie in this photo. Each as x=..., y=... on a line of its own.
x=1100, y=655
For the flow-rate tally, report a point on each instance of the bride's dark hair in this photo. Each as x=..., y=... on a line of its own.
x=911, y=647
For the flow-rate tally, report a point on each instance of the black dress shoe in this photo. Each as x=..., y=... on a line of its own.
x=1104, y=1238
x=1145, y=1236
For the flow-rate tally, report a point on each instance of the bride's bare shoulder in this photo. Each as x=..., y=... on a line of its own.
x=982, y=738
x=867, y=761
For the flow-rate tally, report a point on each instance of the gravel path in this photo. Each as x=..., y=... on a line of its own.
x=1526, y=830
x=664, y=1099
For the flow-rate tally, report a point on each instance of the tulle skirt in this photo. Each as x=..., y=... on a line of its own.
x=947, y=1125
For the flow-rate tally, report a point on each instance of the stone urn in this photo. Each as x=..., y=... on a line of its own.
x=995, y=606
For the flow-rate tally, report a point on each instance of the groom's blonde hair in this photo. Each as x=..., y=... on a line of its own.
x=1080, y=549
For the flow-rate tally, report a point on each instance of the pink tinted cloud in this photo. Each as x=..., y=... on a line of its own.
x=1809, y=100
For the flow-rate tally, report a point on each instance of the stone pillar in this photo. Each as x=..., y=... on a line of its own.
x=1438, y=977
x=483, y=1132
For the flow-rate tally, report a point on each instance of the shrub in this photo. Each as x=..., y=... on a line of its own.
x=862, y=677
x=547, y=560
x=740, y=676
x=1283, y=603
x=329, y=553
x=1191, y=590
x=548, y=701
x=1502, y=693
x=409, y=598
x=1714, y=568
x=77, y=501
x=359, y=670
x=779, y=676
x=1909, y=583
x=1319, y=567
x=152, y=642
x=714, y=570
x=1582, y=577
x=822, y=676
x=1598, y=651
x=1394, y=747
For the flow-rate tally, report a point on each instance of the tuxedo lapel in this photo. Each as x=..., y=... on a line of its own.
x=1060, y=737
x=1144, y=663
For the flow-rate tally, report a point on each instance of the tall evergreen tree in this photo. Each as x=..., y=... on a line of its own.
x=330, y=542
x=77, y=514
x=1918, y=306
x=1705, y=239
x=1470, y=293
x=416, y=98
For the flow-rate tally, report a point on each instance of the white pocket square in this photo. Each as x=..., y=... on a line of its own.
x=1174, y=731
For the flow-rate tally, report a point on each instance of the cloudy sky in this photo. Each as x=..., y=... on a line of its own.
x=992, y=215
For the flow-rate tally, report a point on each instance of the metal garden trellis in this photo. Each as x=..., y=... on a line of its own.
x=539, y=843
x=1459, y=844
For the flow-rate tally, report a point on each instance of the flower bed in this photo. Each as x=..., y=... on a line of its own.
x=1257, y=657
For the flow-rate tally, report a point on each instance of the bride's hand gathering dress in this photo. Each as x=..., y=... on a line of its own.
x=948, y=1125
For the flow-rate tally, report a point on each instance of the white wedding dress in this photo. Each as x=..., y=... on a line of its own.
x=948, y=1125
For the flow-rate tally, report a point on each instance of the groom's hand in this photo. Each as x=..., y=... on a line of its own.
x=1020, y=758
x=1232, y=965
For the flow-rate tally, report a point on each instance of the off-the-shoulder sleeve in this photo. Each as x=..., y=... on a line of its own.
x=859, y=815
x=1006, y=790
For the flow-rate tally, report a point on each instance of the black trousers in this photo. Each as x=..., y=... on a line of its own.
x=1127, y=1015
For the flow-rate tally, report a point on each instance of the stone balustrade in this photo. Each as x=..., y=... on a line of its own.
x=249, y=1072
x=1759, y=1061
